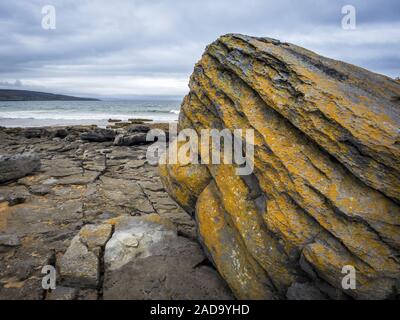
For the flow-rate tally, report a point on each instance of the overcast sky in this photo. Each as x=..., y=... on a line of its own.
x=122, y=48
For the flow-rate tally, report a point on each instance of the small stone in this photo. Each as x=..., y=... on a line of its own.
x=9, y=240
x=130, y=241
x=39, y=189
x=14, y=199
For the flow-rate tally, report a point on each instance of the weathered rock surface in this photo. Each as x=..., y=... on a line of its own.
x=98, y=135
x=30, y=133
x=9, y=240
x=325, y=190
x=130, y=139
x=15, y=198
x=139, y=128
x=68, y=215
x=80, y=265
x=17, y=166
x=146, y=259
x=304, y=291
x=63, y=293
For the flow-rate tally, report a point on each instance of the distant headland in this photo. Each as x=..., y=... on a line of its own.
x=25, y=95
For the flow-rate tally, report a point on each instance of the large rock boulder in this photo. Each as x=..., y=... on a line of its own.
x=325, y=190
x=13, y=167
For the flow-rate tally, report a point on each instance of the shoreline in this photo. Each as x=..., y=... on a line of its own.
x=40, y=123
x=60, y=113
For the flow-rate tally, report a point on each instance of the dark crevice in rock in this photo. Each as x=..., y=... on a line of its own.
x=205, y=263
x=104, y=171
x=102, y=269
x=147, y=197
x=182, y=234
x=357, y=219
x=52, y=261
x=321, y=283
x=318, y=64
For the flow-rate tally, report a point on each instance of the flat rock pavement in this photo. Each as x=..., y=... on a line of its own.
x=100, y=215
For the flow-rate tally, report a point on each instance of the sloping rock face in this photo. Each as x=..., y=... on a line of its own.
x=325, y=190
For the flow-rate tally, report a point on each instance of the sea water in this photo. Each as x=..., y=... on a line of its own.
x=61, y=113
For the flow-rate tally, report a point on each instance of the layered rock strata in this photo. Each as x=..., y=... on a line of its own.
x=325, y=190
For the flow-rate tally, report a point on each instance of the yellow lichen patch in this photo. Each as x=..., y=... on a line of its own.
x=12, y=283
x=289, y=223
x=183, y=181
x=4, y=213
x=113, y=221
x=95, y=236
x=249, y=223
x=155, y=218
x=242, y=273
x=179, y=192
x=194, y=176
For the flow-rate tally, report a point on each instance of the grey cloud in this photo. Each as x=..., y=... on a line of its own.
x=16, y=83
x=106, y=40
